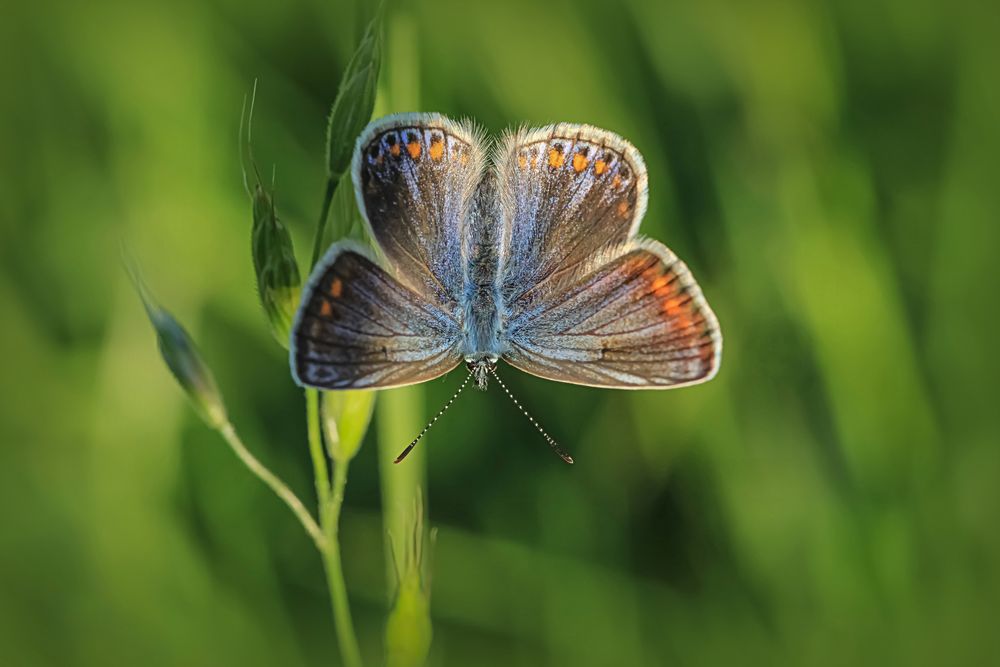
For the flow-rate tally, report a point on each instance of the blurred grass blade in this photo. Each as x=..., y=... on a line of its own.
x=278, y=280
x=346, y=415
x=181, y=355
x=355, y=99
x=408, y=631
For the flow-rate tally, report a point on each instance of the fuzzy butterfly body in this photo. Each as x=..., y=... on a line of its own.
x=527, y=253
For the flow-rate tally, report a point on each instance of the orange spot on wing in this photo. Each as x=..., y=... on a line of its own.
x=326, y=310
x=437, y=149
x=336, y=288
x=394, y=149
x=556, y=159
x=616, y=181
x=664, y=286
x=680, y=317
x=413, y=148
x=522, y=161
x=672, y=306
x=623, y=208
x=579, y=163
x=649, y=273
x=600, y=166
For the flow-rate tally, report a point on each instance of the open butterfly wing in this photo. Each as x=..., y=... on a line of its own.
x=586, y=302
x=362, y=325
x=567, y=192
x=635, y=321
x=358, y=327
x=415, y=177
x=582, y=301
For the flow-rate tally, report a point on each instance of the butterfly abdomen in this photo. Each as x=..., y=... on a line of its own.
x=482, y=323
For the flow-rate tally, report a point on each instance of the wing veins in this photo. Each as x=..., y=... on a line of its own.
x=557, y=269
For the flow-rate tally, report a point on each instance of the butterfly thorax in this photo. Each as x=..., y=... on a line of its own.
x=482, y=323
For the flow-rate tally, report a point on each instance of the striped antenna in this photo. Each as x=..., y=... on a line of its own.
x=548, y=438
x=443, y=410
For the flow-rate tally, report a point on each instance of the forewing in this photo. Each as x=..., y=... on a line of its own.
x=567, y=192
x=415, y=176
x=635, y=321
x=358, y=327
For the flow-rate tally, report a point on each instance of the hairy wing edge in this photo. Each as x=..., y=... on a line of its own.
x=506, y=148
x=464, y=129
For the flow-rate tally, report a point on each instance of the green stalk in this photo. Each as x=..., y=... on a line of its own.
x=400, y=411
x=280, y=489
x=331, y=500
x=399, y=419
x=316, y=449
x=331, y=188
x=351, y=109
x=349, y=650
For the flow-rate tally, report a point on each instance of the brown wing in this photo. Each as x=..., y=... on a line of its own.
x=415, y=176
x=568, y=192
x=635, y=321
x=358, y=327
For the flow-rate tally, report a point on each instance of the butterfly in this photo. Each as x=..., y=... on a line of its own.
x=527, y=252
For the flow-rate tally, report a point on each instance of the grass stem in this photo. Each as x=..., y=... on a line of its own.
x=281, y=489
x=346, y=637
x=316, y=451
x=324, y=215
x=330, y=497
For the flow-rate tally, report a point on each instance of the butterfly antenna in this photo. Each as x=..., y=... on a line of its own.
x=443, y=410
x=548, y=438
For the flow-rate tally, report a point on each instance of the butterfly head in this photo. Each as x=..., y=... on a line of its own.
x=481, y=368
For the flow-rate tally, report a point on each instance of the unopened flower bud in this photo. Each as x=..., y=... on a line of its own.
x=183, y=359
x=352, y=108
x=278, y=280
x=346, y=415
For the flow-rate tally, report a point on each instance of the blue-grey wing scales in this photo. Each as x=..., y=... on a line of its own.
x=583, y=299
x=567, y=192
x=358, y=327
x=533, y=258
x=415, y=178
x=399, y=319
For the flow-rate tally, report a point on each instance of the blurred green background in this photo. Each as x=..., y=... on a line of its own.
x=827, y=169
